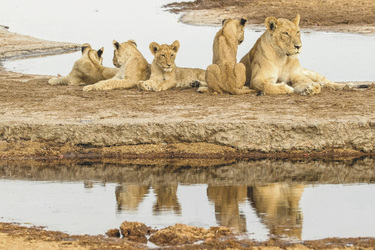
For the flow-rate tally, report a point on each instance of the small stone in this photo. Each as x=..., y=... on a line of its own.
x=113, y=233
x=134, y=231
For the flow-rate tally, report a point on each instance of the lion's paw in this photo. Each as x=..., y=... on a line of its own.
x=311, y=89
x=203, y=89
x=88, y=88
x=288, y=89
x=348, y=86
x=195, y=84
x=144, y=85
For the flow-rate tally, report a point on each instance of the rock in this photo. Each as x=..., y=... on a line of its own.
x=134, y=231
x=113, y=233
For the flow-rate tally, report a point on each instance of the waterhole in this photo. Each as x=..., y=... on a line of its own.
x=259, y=199
x=338, y=56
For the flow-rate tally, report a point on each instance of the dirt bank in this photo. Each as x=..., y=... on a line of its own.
x=42, y=120
x=333, y=15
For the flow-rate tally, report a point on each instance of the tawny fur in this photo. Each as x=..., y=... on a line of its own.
x=133, y=68
x=86, y=70
x=225, y=75
x=273, y=67
x=164, y=72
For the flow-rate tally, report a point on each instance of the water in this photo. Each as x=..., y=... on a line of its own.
x=340, y=57
x=294, y=200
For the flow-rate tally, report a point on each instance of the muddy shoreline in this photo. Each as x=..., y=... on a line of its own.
x=38, y=238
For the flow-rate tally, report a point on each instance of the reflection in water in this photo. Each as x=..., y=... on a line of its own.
x=166, y=198
x=129, y=196
x=227, y=200
x=263, y=197
x=278, y=206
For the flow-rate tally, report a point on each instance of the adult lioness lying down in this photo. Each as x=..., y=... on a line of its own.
x=86, y=70
x=164, y=72
x=272, y=65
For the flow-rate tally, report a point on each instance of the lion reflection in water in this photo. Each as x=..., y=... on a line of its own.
x=129, y=197
x=276, y=204
x=226, y=200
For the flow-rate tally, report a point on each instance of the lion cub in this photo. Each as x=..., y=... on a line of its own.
x=225, y=75
x=133, y=68
x=164, y=72
x=86, y=70
x=272, y=64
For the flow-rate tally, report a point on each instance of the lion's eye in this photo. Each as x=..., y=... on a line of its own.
x=172, y=55
x=285, y=33
x=163, y=56
x=298, y=32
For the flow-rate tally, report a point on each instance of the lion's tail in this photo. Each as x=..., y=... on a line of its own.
x=61, y=80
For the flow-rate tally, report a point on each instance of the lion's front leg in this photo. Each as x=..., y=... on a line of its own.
x=268, y=86
x=102, y=85
x=65, y=80
x=111, y=84
x=166, y=85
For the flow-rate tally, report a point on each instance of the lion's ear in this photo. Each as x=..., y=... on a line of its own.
x=175, y=46
x=272, y=23
x=243, y=21
x=224, y=22
x=296, y=20
x=133, y=42
x=154, y=47
x=85, y=46
x=116, y=44
x=100, y=52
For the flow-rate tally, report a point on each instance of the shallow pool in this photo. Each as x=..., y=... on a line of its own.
x=339, y=56
x=292, y=200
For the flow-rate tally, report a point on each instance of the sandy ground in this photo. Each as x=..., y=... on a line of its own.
x=28, y=99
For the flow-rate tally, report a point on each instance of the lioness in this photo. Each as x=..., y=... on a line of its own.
x=133, y=68
x=225, y=75
x=86, y=70
x=164, y=72
x=272, y=64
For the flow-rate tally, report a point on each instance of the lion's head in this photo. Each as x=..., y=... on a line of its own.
x=165, y=55
x=122, y=51
x=94, y=55
x=286, y=37
x=235, y=26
